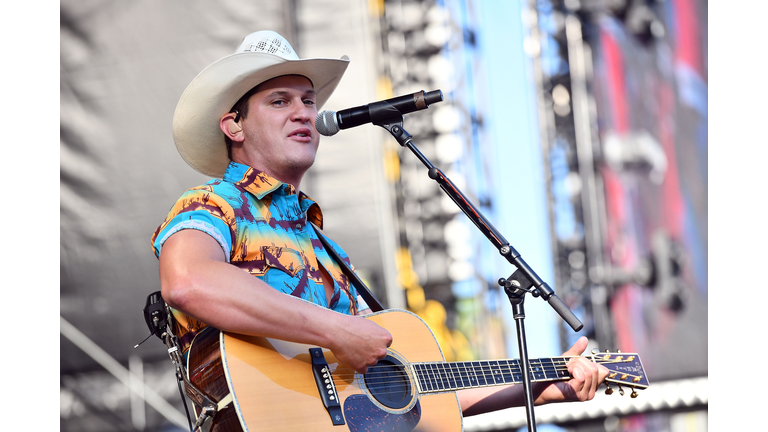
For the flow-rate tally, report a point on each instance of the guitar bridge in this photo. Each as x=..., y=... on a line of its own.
x=326, y=386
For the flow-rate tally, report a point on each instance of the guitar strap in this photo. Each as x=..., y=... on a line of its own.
x=363, y=290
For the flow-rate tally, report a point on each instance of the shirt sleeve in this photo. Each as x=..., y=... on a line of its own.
x=203, y=210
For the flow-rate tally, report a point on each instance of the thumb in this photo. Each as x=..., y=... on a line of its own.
x=577, y=347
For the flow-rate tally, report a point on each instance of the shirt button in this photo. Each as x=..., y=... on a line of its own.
x=298, y=225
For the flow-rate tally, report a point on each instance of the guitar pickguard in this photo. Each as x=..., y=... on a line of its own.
x=362, y=415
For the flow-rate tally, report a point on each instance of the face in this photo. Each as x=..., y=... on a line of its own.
x=279, y=132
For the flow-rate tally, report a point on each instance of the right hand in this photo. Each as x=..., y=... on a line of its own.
x=360, y=343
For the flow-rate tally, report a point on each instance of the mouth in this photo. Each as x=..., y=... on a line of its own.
x=303, y=133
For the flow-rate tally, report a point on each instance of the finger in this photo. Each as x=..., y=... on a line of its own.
x=576, y=371
x=362, y=370
x=594, y=379
x=598, y=377
x=584, y=383
x=595, y=374
x=578, y=347
x=602, y=372
x=372, y=361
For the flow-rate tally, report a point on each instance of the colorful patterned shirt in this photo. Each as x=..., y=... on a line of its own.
x=262, y=225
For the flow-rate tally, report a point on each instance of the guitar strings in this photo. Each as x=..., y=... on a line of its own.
x=475, y=365
x=440, y=381
x=458, y=373
x=504, y=365
x=374, y=371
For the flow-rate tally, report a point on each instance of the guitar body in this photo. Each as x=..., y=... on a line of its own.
x=274, y=389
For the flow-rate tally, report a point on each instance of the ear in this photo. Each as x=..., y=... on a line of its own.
x=231, y=128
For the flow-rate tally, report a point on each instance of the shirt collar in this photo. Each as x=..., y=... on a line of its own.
x=260, y=184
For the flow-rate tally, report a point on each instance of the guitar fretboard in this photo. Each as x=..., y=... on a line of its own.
x=441, y=377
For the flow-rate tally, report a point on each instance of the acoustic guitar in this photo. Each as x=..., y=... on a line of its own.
x=263, y=384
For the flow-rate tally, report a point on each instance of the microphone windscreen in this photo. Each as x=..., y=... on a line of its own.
x=326, y=123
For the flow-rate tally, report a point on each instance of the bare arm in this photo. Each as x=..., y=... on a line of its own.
x=587, y=377
x=196, y=279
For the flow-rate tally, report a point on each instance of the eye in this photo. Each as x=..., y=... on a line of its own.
x=309, y=102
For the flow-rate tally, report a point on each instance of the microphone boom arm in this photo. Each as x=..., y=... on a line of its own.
x=394, y=125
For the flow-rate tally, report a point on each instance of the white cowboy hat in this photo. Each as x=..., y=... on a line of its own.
x=261, y=56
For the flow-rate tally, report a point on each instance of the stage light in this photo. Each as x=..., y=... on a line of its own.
x=449, y=148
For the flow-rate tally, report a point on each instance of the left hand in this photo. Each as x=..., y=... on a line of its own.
x=587, y=377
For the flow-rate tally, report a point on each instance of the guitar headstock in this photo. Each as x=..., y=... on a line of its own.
x=626, y=370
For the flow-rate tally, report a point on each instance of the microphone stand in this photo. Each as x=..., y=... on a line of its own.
x=523, y=280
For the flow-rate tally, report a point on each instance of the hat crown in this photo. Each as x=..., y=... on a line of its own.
x=268, y=42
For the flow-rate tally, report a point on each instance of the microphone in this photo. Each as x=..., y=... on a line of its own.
x=329, y=123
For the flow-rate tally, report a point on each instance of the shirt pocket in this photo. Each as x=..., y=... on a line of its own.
x=284, y=269
x=286, y=260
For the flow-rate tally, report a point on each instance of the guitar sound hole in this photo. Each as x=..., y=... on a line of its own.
x=388, y=383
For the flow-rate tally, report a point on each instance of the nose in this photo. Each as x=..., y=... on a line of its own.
x=302, y=112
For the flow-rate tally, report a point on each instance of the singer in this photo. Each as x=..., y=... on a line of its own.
x=240, y=254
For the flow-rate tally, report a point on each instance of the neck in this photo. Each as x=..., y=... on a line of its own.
x=291, y=177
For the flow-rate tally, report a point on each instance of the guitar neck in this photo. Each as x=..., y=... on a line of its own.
x=437, y=377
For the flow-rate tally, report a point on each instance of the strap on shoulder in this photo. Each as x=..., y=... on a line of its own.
x=363, y=290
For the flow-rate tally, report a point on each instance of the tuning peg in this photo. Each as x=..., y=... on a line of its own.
x=621, y=390
x=634, y=393
x=608, y=390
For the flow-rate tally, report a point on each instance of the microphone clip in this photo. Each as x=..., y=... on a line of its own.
x=155, y=316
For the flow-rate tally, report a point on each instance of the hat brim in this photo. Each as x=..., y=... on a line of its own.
x=214, y=91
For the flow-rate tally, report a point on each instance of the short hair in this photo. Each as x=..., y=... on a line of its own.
x=241, y=107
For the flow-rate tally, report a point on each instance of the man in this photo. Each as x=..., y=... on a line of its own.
x=231, y=250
